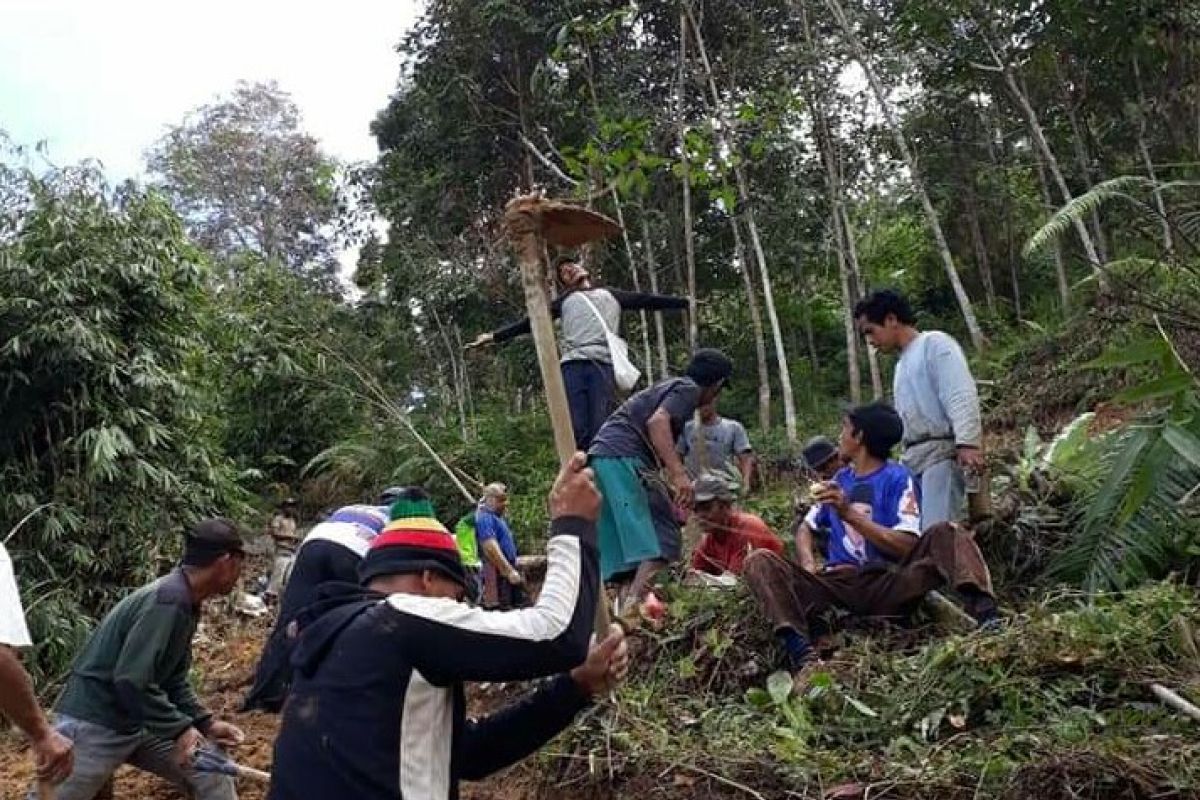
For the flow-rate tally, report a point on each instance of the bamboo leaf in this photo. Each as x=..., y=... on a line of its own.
x=1166, y=386
x=1183, y=442
x=1139, y=352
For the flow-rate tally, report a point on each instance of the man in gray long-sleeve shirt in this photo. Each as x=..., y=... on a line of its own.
x=586, y=312
x=936, y=396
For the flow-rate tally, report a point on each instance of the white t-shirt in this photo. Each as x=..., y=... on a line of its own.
x=13, y=630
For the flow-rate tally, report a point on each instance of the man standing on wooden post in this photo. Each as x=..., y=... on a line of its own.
x=639, y=526
x=531, y=222
x=590, y=315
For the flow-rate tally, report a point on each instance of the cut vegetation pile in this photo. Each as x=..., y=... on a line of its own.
x=1056, y=704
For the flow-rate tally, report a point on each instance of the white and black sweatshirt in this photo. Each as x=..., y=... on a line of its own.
x=377, y=710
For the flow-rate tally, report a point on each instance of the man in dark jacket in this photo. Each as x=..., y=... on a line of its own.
x=330, y=552
x=377, y=710
x=586, y=312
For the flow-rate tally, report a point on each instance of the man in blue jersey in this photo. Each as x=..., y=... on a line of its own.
x=880, y=561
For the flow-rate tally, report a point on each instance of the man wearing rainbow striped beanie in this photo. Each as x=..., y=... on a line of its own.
x=378, y=711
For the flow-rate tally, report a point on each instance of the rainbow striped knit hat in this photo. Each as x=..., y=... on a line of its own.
x=413, y=541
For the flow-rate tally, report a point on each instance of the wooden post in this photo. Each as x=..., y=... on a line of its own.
x=530, y=220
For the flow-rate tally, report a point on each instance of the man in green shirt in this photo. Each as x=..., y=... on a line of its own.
x=128, y=699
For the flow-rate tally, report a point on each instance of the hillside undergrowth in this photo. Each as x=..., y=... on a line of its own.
x=1056, y=704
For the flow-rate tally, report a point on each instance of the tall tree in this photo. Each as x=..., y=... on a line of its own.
x=915, y=175
x=246, y=178
x=746, y=208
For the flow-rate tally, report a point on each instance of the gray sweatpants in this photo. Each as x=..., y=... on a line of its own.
x=99, y=751
x=943, y=493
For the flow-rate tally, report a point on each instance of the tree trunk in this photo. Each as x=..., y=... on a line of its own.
x=648, y=359
x=1060, y=267
x=1082, y=159
x=689, y=246
x=466, y=380
x=785, y=379
x=853, y=371
x=918, y=180
x=977, y=242
x=842, y=229
x=856, y=285
x=760, y=340
x=659, y=334
x=456, y=386
x=849, y=290
x=1039, y=138
x=1148, y=162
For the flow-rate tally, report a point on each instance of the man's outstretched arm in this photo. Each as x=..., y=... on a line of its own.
x=465, y=643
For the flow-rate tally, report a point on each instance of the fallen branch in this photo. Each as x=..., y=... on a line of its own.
x=1173, y=700
x=721, y=779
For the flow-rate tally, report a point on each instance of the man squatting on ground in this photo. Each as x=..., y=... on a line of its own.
x=730, y=534
x=128, y=699
x=880, y=562
x=377, y=710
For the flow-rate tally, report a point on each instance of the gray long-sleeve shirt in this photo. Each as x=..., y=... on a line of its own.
x=583, y=337
x=936, y=397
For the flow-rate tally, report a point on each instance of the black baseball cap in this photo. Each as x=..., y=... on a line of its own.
x=817, y=451
x=211, y=538
x=709, y=367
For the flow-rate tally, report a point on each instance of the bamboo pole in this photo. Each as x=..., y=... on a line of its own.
x=529, y=220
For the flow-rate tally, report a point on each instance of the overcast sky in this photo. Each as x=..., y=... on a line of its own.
x=102, y=78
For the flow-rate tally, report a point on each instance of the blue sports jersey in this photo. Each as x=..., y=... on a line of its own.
x=489, y=525
x=887, y=495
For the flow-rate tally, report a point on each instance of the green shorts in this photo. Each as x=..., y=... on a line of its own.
x=637, y=522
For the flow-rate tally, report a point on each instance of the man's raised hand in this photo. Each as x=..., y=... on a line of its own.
x=607, y=664
x=574, y=493
x=480, y=341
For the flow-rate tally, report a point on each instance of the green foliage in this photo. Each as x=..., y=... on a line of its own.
x=1130, y=521
x=978, y=715
x=102, y=304
x=247, y=180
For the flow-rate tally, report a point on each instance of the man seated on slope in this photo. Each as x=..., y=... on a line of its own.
x=730, y=534
x=377, y=710
x=880, y=562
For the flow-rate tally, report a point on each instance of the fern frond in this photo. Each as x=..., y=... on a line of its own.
x=1080, y=207
x=1129, y=527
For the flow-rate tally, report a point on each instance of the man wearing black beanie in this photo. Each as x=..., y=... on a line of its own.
x=631, y=454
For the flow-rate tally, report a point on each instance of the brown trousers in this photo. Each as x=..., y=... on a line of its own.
x=945, y=554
